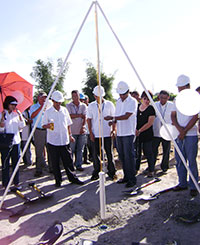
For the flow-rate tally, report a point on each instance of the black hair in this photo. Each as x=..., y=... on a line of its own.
x=7, y=101
x=145, y=95
x=74, y=92
x=164, y=92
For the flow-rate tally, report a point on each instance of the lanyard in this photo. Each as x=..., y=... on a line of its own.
x=161, y=111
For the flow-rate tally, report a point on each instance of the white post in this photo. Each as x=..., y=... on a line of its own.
x=102, y=194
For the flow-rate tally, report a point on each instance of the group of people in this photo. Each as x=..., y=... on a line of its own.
x=80, y=129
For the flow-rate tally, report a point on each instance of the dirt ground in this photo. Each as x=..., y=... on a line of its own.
x=128, y=219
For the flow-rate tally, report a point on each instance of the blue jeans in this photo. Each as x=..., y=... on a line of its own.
x=77, y=148
x=125, y=148
x=189, y=147
x=5, y=159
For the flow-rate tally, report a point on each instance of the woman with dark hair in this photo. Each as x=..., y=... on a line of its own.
x=144, y=132
x=11, y=122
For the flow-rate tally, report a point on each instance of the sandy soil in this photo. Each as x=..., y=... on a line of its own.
x=128, y=219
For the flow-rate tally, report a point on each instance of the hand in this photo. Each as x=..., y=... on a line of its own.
x=92, y=138
x=137, y=132
x=82, y=130
x=71, y=138
x=113, y=134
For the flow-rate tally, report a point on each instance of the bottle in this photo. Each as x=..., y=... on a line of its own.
x=51, y=124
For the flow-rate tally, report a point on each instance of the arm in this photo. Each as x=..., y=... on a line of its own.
x=122, y=117
x=183, y=130
x=70, y=134
x=146, y=125
x=89, y=122
x=2, y=123
x=35, y=113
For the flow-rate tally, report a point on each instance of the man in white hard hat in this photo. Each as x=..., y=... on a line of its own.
x=187, y=141
x=94, y=127
x=125, y=117
x=57, y=121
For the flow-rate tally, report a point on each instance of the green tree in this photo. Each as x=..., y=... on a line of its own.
x=43, y=73
x=91, y=82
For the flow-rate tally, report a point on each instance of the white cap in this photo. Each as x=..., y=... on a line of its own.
x=122, y=87
x=182, y=80
x=57, y=96
x=96, y=91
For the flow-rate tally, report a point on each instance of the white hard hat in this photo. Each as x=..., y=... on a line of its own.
x=57, y=96
x=122, y=87
x=182, y=80
x=96, y=91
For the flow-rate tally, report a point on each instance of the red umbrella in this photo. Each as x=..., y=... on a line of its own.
x=14, y=85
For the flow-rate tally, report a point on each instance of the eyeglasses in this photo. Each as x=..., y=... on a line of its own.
x=145, y=98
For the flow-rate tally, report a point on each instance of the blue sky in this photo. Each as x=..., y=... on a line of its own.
x=161, y=37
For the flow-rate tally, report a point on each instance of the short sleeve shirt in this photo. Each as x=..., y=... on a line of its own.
x=93, y=113
x=61, y=119
x=126, y=127
x=142, y=118
x=165, y=111
x=77, y=122
x=183, y=120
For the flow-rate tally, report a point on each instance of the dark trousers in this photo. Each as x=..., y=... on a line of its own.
x=27, y=155
x=148, y=152
x=87, y=149
x=166, y=150
x=14, y=155
x=64, y=152
x=96, y=156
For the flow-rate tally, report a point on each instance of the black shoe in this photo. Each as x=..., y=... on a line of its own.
x=193, y=193
x=77, y=181
x=38, y=174
x=94, y=177
x=57, y=184
x=129, y=184
x=122, y=181
x=179, y=188
x=112, y=176
x=80, y=169
x=86, y=162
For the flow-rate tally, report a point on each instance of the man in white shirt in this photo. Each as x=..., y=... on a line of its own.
x=187, y=142
x=94, y=127
x=165, y=108
x=57, y=121
x=125, y=117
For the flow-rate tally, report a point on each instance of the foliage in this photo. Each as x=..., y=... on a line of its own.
x=44, y=76
x=91, y=82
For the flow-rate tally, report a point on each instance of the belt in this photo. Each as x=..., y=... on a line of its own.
x=41, y=128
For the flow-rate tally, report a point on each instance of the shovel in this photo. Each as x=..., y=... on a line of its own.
x=138, y=189
x=20, y=194
x=156, y=195
x=42, y=194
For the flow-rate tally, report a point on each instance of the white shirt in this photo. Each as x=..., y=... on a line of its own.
x=93, y=113
x=61, y=119
x=126, y=127
x=165, y=110
x=13, y=125
x=183, y=120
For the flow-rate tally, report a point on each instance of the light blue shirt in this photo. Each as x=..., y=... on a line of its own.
x=34, y=108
